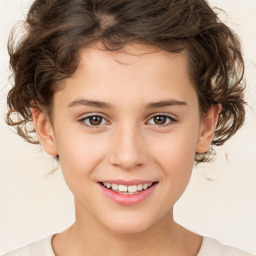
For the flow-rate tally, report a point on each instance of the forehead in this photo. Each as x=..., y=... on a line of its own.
x=132, y=54
x=136, y=72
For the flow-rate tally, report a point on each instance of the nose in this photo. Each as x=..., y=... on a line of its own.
x=128, y=149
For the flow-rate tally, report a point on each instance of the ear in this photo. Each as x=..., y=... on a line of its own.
x=44, y=131
x=207, y=128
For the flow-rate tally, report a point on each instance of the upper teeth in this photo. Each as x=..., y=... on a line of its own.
x=127, y=189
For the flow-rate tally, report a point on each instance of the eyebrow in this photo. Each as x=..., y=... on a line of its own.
x=166, y=103
x=105, y=105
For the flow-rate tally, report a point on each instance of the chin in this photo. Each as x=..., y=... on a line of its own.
x=128, y=224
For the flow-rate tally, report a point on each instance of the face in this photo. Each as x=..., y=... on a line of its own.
x=127, y=116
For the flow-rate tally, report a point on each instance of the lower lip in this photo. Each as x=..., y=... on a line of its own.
x=126, y=199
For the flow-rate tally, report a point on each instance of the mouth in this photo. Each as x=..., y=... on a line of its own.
x=128, y=193
x=127, y=189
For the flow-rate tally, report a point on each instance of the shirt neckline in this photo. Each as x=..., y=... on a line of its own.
x=53, y=254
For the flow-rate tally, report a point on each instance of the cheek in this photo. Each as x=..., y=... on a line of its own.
x=175, y=156
x=176, y=149
x=79, y=154
x=177, y=164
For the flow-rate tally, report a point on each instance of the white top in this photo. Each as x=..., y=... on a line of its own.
x=209, y=247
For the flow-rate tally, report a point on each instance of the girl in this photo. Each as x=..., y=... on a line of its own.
x=127, y=96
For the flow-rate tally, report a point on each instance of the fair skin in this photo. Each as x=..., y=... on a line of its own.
x=127, y=143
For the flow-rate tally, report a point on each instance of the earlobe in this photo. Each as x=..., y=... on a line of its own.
x=207, y=128
x=44, y=131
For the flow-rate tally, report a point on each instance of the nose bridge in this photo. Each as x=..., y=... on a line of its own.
x=128, y=149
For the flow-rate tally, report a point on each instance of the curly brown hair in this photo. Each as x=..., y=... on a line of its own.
x=57, y=29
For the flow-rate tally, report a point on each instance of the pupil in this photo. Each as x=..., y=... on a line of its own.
x=95, y=120
x=160, y=119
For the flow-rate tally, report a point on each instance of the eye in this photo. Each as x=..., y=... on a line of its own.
x=161, y=120
x=93, y=121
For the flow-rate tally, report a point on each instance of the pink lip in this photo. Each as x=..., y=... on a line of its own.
x=126, y=199
x=128, y=182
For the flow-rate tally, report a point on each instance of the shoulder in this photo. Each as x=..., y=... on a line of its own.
x=211, y=247
x=42, y=247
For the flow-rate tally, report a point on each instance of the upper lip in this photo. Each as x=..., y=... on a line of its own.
x=128, y=182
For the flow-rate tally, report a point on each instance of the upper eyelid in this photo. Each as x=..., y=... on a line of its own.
x=162, y=114
x=93, y=114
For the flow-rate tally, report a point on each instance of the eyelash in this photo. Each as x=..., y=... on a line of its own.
x=172, y=120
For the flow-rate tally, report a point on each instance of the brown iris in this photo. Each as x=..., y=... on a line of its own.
x=160, y=120
x=95, y=120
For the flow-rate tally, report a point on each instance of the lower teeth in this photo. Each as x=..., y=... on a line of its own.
x=127, y=193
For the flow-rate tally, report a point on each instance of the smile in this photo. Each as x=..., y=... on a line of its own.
x=128, y=194
x=124, y=189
